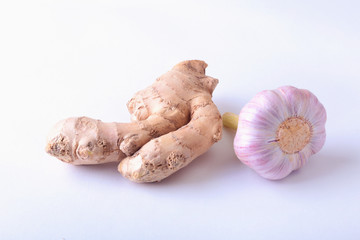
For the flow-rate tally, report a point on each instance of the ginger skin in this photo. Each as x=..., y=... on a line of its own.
x=173, y=121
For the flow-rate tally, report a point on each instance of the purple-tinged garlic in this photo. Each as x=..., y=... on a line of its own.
x=278, y=130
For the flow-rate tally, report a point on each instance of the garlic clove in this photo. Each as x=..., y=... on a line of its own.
x=278, y=130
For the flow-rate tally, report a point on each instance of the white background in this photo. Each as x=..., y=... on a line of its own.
x=72, y=58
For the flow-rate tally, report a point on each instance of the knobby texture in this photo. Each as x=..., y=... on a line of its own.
x=173, y=121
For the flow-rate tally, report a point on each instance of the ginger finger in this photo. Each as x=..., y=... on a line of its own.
x=84, y=140
x=167, y=154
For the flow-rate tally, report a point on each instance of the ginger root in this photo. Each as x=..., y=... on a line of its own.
x=173, y=121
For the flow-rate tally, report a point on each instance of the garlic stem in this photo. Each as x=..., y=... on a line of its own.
x=230, y=120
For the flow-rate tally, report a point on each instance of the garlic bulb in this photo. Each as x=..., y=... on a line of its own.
x=278, y=130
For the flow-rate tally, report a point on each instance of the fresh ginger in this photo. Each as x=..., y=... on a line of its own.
x=173, y=121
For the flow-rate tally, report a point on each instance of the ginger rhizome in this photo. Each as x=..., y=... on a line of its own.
x=173, y=121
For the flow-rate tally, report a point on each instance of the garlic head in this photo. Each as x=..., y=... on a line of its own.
x=278, y=130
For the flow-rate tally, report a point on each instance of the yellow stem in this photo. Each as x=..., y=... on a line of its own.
x=230, y=120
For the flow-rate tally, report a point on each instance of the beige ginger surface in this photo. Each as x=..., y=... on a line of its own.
x=173, y=121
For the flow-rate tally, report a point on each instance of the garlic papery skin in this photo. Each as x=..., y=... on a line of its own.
x=278, y=130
